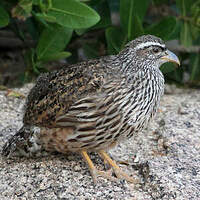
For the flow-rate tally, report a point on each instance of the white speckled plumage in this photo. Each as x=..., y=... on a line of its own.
x=95, y=104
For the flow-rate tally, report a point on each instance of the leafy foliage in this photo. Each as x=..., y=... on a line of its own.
x=100, y=27
x=4, y=17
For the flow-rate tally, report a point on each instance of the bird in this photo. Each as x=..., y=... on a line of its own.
x=93, y=105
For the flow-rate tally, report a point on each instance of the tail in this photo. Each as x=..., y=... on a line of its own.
x=22, y=143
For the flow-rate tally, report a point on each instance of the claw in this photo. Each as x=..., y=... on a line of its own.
x=118, y=172
x=95, y=173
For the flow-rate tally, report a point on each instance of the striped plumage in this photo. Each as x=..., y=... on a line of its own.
x=92, y=105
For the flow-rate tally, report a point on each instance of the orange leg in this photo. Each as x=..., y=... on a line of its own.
x=95, y=173
x=118, y=172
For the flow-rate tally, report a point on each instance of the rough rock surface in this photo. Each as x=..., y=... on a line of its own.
x=165, y=158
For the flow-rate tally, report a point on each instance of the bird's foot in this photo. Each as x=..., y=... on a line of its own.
x=108, y=175
x=118, y=172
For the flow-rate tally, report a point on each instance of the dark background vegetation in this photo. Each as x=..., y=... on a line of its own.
x=39, y=35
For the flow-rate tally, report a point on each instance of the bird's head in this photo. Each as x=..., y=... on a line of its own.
x=148, y=50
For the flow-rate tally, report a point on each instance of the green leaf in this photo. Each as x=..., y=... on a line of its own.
x=116, y=40
x=102, y=7
x=53, y=40
x=114, y=5
x=185, y=34
x=167, y=67
x=195, y=15
x=129, y=9
x=175, y=34
x=41, y=21
x=80, y=31
x=36, y=2
x=4, y=17
x=22, y=10
x=159, y=2
x=176, y=75
x=185, y=31
x=73, y=14
x=91, y=50
x=138, y=31
x=163, y=28
x=43, y=16
x=29, y=58
x=194, y=67
x=56, y=56
x=32, y=28
x=184, y=6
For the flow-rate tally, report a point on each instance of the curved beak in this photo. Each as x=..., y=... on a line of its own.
x=170, y=57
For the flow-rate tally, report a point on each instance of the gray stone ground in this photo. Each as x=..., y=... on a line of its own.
x=165, y=158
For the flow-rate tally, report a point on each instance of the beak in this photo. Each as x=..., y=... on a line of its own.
x=170, y=57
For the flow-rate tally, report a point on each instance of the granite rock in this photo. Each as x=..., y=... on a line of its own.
x=165, y=158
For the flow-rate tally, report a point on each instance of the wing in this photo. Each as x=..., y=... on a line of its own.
x=66, y=92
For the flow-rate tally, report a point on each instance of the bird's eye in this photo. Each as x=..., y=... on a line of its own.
x=156, y=50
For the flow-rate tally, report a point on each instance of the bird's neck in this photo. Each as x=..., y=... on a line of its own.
x=133, y=69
